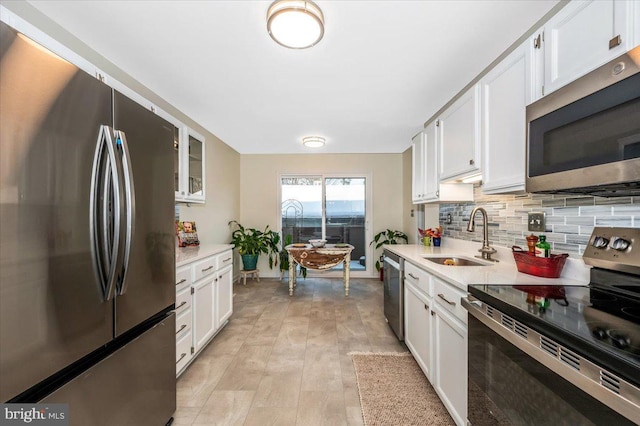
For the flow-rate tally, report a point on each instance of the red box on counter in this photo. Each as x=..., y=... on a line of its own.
x=546, y=267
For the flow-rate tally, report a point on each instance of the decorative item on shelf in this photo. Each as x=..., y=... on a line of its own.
x=187, y=234
x=547, y=267
x=317, y=243
x=389, y=236
x=251, y=242
x=431, y=235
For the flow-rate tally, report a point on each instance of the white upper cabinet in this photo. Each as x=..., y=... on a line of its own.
x=636, y=22
x=459, y=137
x=584, y=35
x=432, y=181
x=189, y=166
x=426, y=182
x=505, y=91
x=417, y=168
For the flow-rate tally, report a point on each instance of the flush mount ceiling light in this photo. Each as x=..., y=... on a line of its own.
x=295, y=24
x=313, y=141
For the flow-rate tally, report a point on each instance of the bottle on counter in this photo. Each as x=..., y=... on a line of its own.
x=543, y=248
x=532, y=240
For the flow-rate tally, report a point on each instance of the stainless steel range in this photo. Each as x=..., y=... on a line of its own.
x=560, y=354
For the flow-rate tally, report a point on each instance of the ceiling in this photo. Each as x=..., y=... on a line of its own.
x=382, y=69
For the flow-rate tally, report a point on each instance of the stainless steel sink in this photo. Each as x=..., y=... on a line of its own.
x=455, y=261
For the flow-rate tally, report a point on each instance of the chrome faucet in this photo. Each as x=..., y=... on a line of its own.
x=486, y=249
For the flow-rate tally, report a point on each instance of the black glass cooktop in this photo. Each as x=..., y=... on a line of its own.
x=599, y=323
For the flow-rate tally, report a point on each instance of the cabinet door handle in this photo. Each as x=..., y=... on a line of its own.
x=181, y=328
x=433, y=312
x=616, y=41
x=437, y=193
x=181, y=356
x=426, y=307
x=441, y=296
x=181, y=281
x=226, y=260
x=472, y=162
x=184, y=302
x=413, y=276
x=207, y=269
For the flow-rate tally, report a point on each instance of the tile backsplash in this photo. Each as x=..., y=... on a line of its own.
x=569, y=218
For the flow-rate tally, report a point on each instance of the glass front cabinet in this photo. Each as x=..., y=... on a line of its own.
x=188, y=166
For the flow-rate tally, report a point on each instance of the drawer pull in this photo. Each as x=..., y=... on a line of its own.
x=207, y=269
x=181, y=357
x=441, y=296
x=181, y=328
x=227, y=259
x=184, y=302
x=414, y=277
x=181, y=281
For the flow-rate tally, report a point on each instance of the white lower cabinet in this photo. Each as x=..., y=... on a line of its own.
x=204, y=303
x=436, y=335
x=204, y=322
x=418, y=326
x=451, y=364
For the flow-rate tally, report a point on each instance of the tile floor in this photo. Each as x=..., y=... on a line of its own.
x=283, y=360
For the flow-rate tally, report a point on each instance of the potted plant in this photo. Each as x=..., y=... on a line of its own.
x=251, y=242
x=284, y=257
x=387, y=237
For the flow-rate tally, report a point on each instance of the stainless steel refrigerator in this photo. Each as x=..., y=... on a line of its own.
x=87, y=252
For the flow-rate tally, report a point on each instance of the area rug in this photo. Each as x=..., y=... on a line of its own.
x=394, y=391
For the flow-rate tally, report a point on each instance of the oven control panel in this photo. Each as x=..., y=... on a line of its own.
x=613, y=248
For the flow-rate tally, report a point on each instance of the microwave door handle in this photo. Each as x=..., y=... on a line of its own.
x=130, y=206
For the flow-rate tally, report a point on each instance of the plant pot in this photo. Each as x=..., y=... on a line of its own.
x=249, y=261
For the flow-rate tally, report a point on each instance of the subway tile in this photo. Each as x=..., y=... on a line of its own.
x=566, y=229
x=579, y=220
x=632, y=209
x=595, y=210
x=552, y=203
x=614, y=221
x=566, y=211
x=566, y=248
x=554, y=220
x=613, y=200
x=556, y=238
x=586, y=230
x=579, y=201
x=578, y=239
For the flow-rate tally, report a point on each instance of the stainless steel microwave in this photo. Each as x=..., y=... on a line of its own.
x=585, y=137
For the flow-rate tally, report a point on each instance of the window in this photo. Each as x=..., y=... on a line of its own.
x=329, y=207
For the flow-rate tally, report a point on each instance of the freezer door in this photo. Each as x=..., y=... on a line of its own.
x=52, y=308
x=148, y=286
x=136, y=386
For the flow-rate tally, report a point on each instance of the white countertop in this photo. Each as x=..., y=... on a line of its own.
x=575, y=272
x=186, y=255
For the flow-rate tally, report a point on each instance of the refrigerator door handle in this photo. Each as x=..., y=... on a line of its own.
x=105, y=212
x=130, y=203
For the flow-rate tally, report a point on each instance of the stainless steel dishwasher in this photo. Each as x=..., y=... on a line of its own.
x=394, y=292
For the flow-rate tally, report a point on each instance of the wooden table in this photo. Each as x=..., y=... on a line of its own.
x=320, y=259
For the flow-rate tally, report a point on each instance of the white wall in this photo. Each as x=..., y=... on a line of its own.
x=259, y=202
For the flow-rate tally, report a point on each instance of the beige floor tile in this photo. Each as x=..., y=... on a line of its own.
x=225, y=408
x=278, y=390
x=271, y=416
x=322, y=333
x=245, y=371
x=321, y=408
x=184, y=416
x=200, y=379
x=322, y=369
x=354, y=416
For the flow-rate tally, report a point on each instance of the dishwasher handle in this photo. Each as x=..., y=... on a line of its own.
x=393, y=263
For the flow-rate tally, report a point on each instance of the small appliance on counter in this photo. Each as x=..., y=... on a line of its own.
x=560, y=354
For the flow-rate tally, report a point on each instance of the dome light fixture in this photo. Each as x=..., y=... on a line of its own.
x=313, y=141
x=296, y=24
